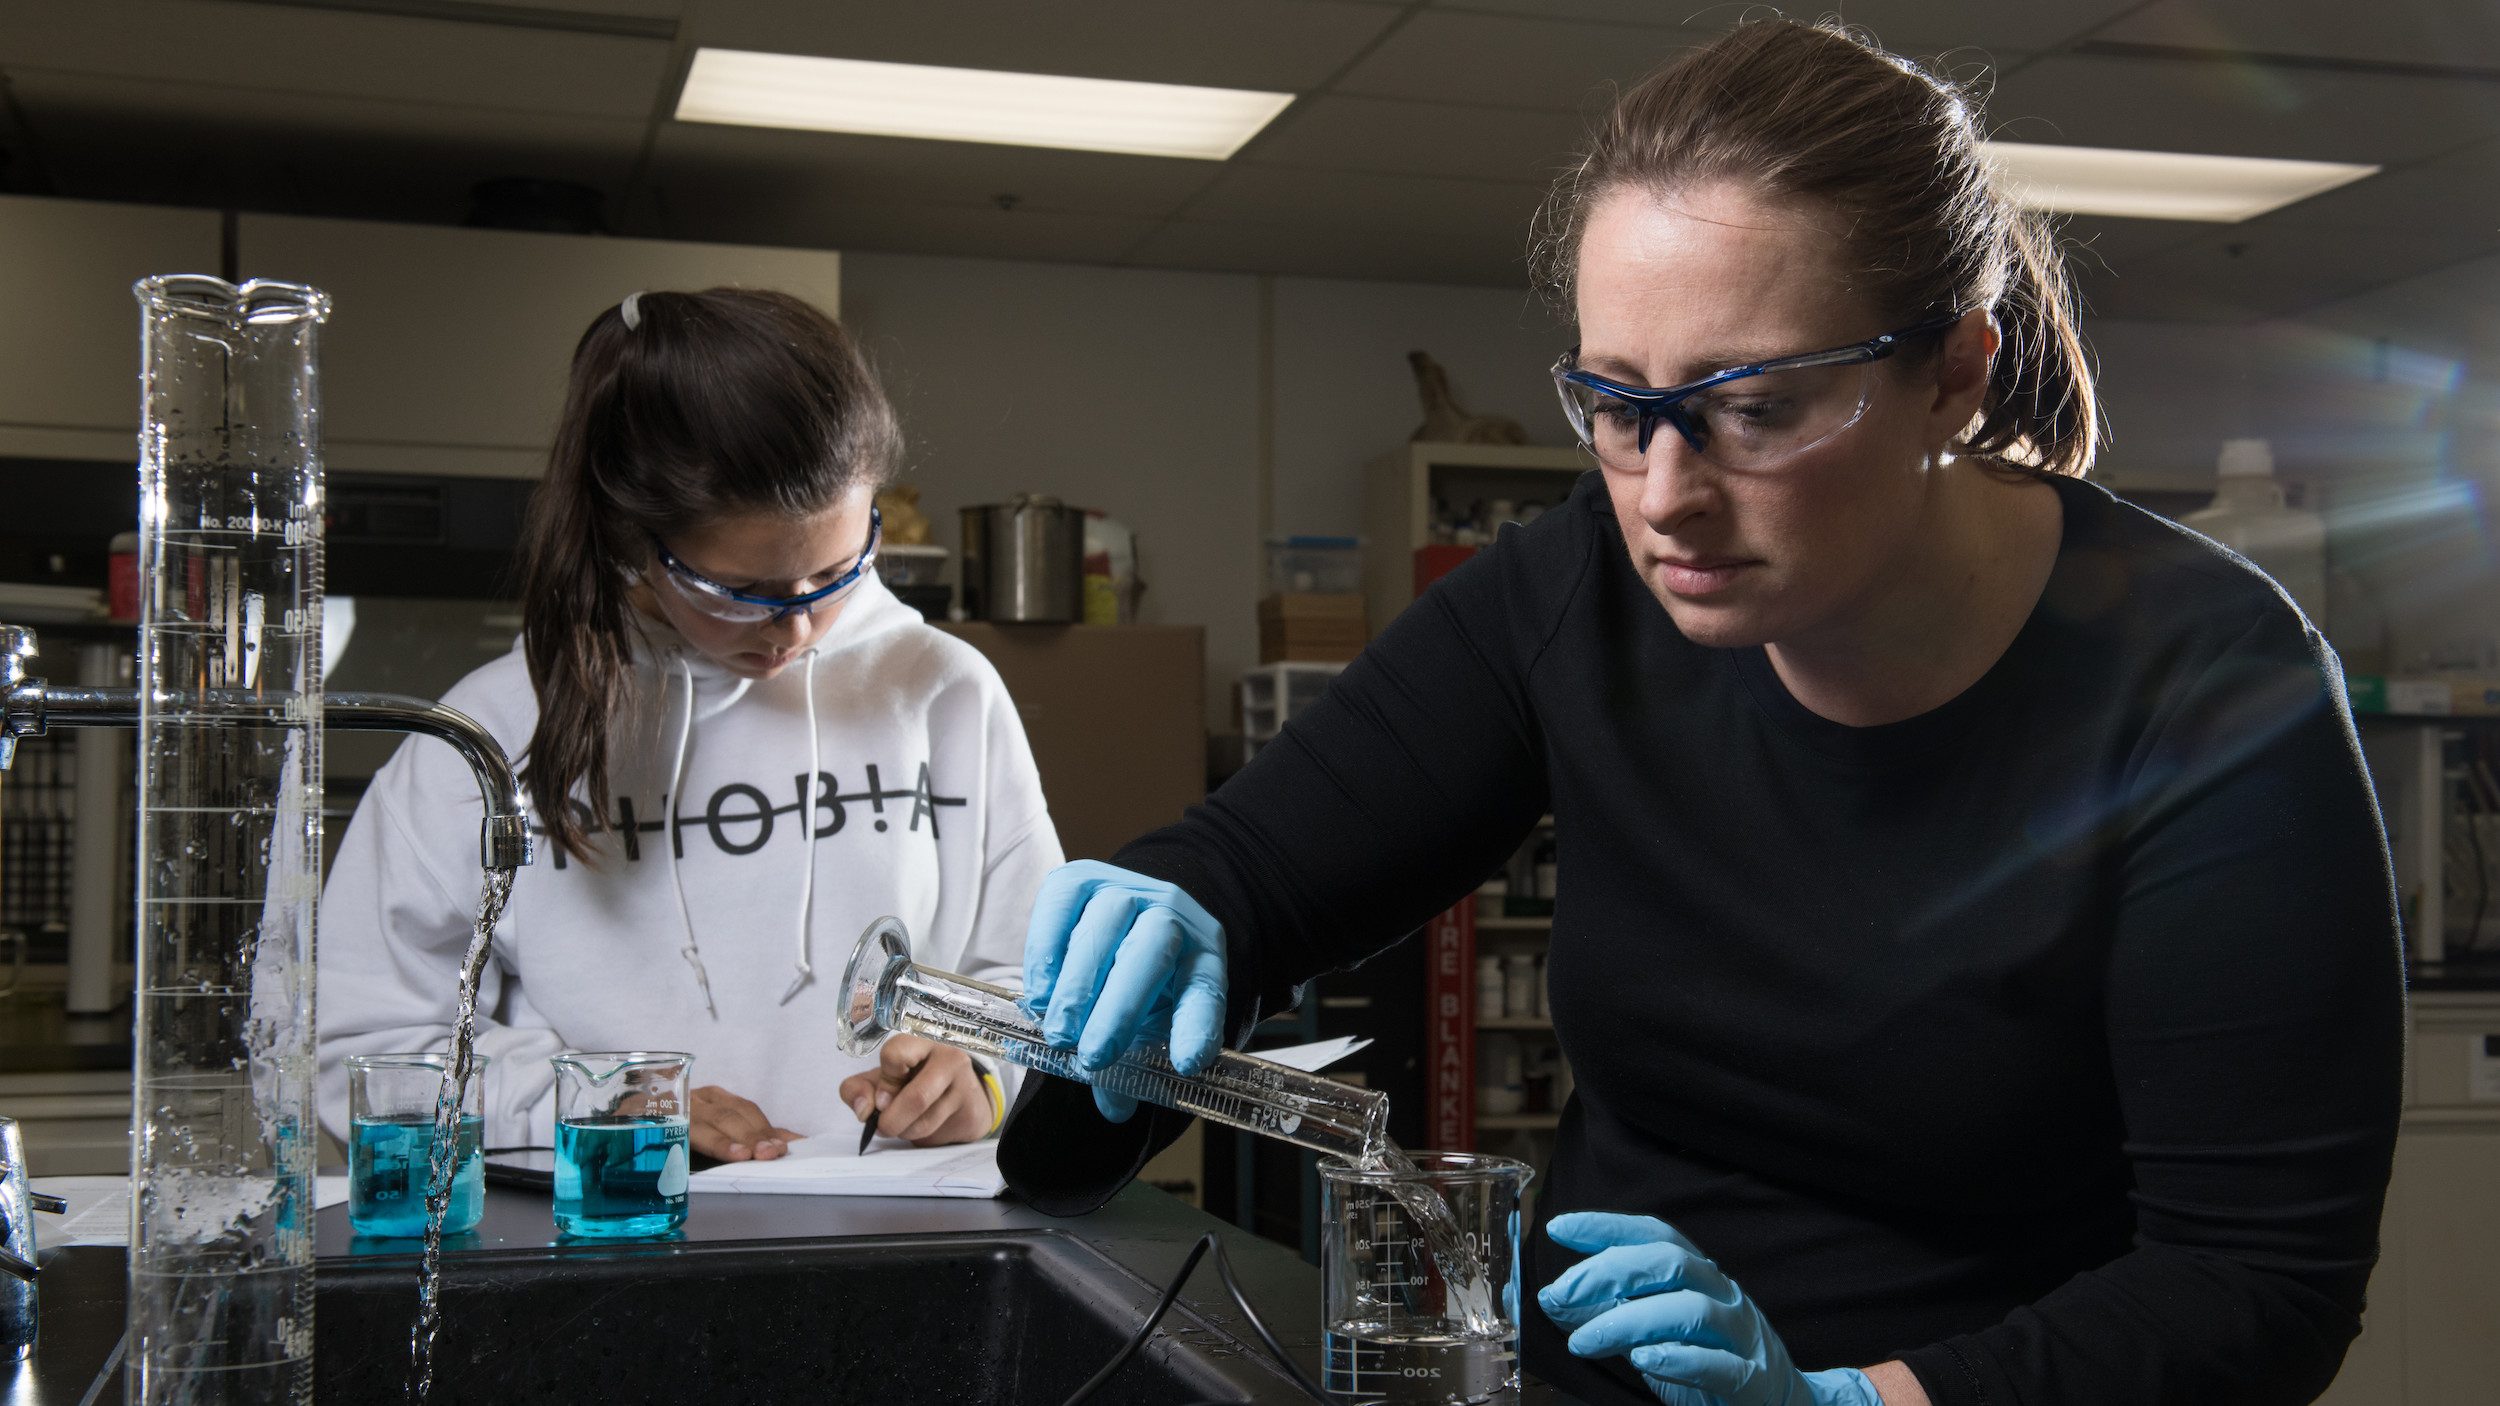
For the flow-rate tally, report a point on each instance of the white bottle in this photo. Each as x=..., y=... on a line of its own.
x=1519, y=985
x=1491, y=1002
x=1501, y=1075
x=2248, y=516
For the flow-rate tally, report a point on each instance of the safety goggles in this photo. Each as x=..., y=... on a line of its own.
x=740, y=608
x=1746, y=417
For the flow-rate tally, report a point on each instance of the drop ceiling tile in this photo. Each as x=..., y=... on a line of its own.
x=638, y=9
x=1429, y=139
x=2448, y=32
x=2455, y=196
x=1419, y=255
x=833, y=220
x=288, y=49
x=132, y=140
x=776, y=164
x=1274, y=45
x=1919, y=27
x=2101, y=244
x=2240, y=274
x=1512, y=61
x=1366, y=200
x=2174, y=105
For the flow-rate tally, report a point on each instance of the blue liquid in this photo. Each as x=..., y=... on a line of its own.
x=387, y=1164
x=620, y=1176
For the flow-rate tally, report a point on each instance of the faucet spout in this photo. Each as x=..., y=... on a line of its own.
x=29, y=707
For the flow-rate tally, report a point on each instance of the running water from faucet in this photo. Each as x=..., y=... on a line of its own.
x=444, y=1156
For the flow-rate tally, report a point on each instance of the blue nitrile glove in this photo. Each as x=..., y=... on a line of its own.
x=1645, y=1291
x=1113, y=957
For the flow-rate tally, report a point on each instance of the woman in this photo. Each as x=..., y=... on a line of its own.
x=1978, y=959
x=739, y=746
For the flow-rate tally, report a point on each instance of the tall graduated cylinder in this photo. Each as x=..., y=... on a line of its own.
x=230, y=514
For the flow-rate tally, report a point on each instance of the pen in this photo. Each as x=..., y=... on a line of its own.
x=868, y=1130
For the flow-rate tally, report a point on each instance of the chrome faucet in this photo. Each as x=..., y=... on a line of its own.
x=29, y=707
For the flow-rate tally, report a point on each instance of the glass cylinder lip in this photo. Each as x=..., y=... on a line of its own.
x=619, y=1059
x=428, y=1059
x=258, y=301
x=1434, y=1167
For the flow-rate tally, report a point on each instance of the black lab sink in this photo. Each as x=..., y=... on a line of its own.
x=979, y=1319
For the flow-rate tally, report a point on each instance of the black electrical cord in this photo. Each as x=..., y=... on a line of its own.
x=1171, y=1293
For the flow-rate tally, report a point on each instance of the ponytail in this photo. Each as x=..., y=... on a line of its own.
x=705, y=404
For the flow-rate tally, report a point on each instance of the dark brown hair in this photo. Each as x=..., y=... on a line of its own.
x=1821, y=113
x=731, y=400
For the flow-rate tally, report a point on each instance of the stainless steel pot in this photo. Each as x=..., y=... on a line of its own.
x=1024, y=561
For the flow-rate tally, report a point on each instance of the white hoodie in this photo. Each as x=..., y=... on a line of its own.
x=717, y=888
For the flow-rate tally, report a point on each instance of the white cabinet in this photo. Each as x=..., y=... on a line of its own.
x=446, y=349
x=2432, y=1333
x=69, y=329
x=74, y=1123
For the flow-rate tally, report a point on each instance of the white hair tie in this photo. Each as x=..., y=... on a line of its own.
x=631, y=311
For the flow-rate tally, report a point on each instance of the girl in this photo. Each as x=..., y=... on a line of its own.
x=740, y=750
x=1979, y=966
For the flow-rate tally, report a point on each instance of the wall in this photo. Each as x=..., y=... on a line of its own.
x=1139, y=392
x=2385, y=407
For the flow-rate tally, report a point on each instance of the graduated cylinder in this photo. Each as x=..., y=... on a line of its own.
x=230, y=515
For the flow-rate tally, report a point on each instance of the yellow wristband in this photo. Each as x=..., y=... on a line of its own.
x=998, y=1100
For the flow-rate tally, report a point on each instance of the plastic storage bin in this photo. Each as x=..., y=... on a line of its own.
x=1273, y=694
x=1315, y=565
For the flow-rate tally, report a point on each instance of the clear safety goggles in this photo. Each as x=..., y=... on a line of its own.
x=740, y=608
x=1746, y=417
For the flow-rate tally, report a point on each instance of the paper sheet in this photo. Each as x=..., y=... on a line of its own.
x=1313, y=1057
x=99, y=1208
x=824, y=1166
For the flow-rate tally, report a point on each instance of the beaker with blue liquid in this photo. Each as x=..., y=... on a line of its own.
x=390, y=1144
x=621, y=1151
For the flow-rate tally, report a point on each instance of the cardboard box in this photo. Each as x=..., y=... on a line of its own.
x=1321, y=629
x=1119, y=761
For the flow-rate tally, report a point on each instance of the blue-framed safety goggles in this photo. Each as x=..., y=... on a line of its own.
x=738, y=607
x=1746, y=417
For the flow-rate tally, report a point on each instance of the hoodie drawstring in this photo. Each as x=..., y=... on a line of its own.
x=807, y=828
x=692, y=952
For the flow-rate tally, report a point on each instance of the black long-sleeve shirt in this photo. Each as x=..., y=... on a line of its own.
x=2049, y=1041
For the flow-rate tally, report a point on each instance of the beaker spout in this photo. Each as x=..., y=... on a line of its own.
x=884, y=991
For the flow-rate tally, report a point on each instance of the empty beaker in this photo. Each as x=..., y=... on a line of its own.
x=621, y=1155
x=390, y=1143
x=1396, y=1328
x=17, y=1236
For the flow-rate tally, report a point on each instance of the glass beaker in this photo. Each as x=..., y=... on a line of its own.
x=621, y=1155
x=1395, y=1329
x=17, y=1236
x=390, y=1143
x=884, y=990
x=229, y=841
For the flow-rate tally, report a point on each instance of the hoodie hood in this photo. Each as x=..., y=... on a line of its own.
x=694, y=689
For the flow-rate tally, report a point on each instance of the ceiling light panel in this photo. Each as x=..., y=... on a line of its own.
x=748, y=89
x=2160, y=185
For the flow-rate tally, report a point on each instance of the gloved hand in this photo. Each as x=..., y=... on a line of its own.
x=1646, y=1291
x=1113, y=957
